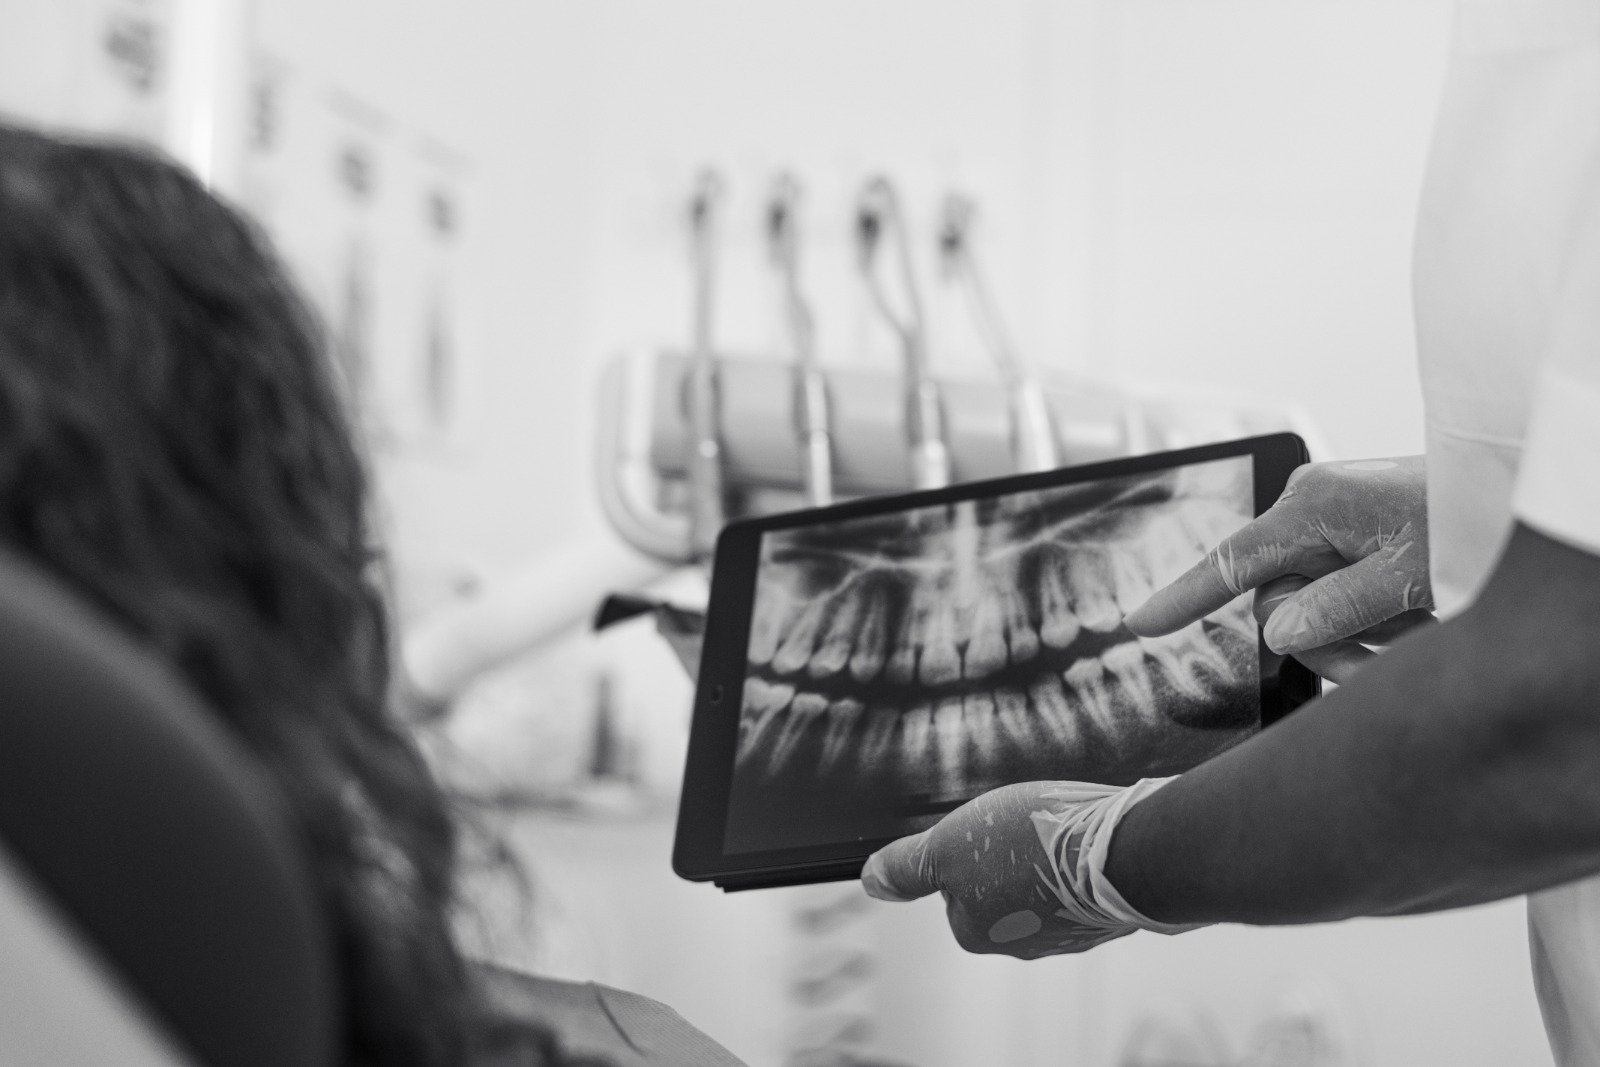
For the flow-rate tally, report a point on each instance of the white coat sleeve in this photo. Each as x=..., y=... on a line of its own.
x=1558, y=481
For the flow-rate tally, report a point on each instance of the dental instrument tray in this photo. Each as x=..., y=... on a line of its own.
x=873, y=665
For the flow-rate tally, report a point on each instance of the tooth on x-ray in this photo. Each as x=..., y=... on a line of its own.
x=834, y=651
x=872, y=640
x=1058, y=624
x=982, y=643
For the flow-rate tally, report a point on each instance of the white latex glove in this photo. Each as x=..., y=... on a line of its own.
x=1338, y=563
x=1022, y=868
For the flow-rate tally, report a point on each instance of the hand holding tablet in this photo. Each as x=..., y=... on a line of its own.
x=871, y=666
x=1022, y=869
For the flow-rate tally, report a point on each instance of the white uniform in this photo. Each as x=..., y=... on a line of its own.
x=1508, y=323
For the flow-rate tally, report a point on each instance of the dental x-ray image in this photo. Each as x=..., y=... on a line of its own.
x=899, y=665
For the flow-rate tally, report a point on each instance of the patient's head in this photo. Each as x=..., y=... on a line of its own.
x=172, y=446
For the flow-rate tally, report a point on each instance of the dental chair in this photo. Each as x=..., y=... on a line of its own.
x=155, y=908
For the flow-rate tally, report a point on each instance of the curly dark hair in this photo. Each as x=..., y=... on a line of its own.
x=173, y=446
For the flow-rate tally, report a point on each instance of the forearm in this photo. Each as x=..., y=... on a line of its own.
x=1463, y=766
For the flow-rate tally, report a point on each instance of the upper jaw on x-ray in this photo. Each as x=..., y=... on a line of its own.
x=937, y=653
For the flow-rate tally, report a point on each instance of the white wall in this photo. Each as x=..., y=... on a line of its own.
x=1257, y=164
x=1213, y=192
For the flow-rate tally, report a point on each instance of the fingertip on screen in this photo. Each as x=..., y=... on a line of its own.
x=874, y=881
x=1150, y=619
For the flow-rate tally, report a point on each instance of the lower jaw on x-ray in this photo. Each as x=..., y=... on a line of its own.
x=900, y=665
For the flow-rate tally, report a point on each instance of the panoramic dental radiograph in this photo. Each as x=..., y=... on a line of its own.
x=900, y=665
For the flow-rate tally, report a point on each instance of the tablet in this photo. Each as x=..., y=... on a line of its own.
x=870, y=666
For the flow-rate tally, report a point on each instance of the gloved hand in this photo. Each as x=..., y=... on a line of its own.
x=1022, y=868
x=1339, y=562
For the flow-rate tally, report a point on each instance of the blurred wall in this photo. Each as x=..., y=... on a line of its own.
x=1216, y=193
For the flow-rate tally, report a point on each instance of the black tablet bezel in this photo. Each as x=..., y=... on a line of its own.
x=698, y=852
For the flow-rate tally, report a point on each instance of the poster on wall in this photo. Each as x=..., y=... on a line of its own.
x=99, y=66
x=125, y=85
x=432, y=388
x=315, y=177
x=370, y=217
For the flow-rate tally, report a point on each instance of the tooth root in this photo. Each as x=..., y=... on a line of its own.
x=1171, y=548
x=986, y=648
x=978, y=719
x=1058, y=626
x=1055, y=711
x=834, y=651
x=1238, y=619
x=1086, y=678
x=873, y=640
x=1187, y=658
x=1207, y=524
x=804, y=712
x=774, y=605
x=1127, y=664
x=1130, y=578
x=763, y=702
x=917, y=758
x=941, y=660
x=1166, y=653
x=950, y=736
x=1204, y=653
x=877, y=742
x=1016, y=725
x=1089, y=575
x=795, y=650
x=902, y=665
x=843, y=718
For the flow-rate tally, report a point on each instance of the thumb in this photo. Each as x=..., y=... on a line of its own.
x=1344, y=603
x=901, y=870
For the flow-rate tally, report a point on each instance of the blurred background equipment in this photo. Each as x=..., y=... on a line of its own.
x=688, y=440
x=879, y=221
x=1174, y=219
x=1033, y=433
x=703, y=392
x=813, y=422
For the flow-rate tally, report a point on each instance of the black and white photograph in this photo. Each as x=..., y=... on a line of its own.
x=800, y=533
x=903, y=664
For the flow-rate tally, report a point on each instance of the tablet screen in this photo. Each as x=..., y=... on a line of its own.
x=899, y=665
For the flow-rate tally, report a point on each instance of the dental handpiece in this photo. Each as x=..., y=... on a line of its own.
x=703, y=388
x=1033, y=438
x=811, y=401
x=924, y=413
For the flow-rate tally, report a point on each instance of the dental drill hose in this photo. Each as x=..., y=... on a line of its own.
x=1033, y=440
x=930, y=458
x=704, y=461
x=816, y=441
x=924, y=416
x=811, y=401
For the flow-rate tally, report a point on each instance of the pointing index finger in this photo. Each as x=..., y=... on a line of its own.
x=1260, y=552
x=900, y=871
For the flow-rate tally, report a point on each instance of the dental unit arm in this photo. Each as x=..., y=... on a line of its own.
x=878, y=211
x=1033, y=438
x=811, y=401
x=642, y=478
x=685, y=434
x=703, y=393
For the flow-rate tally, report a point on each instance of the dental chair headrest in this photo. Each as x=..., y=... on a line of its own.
x=148, y=873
